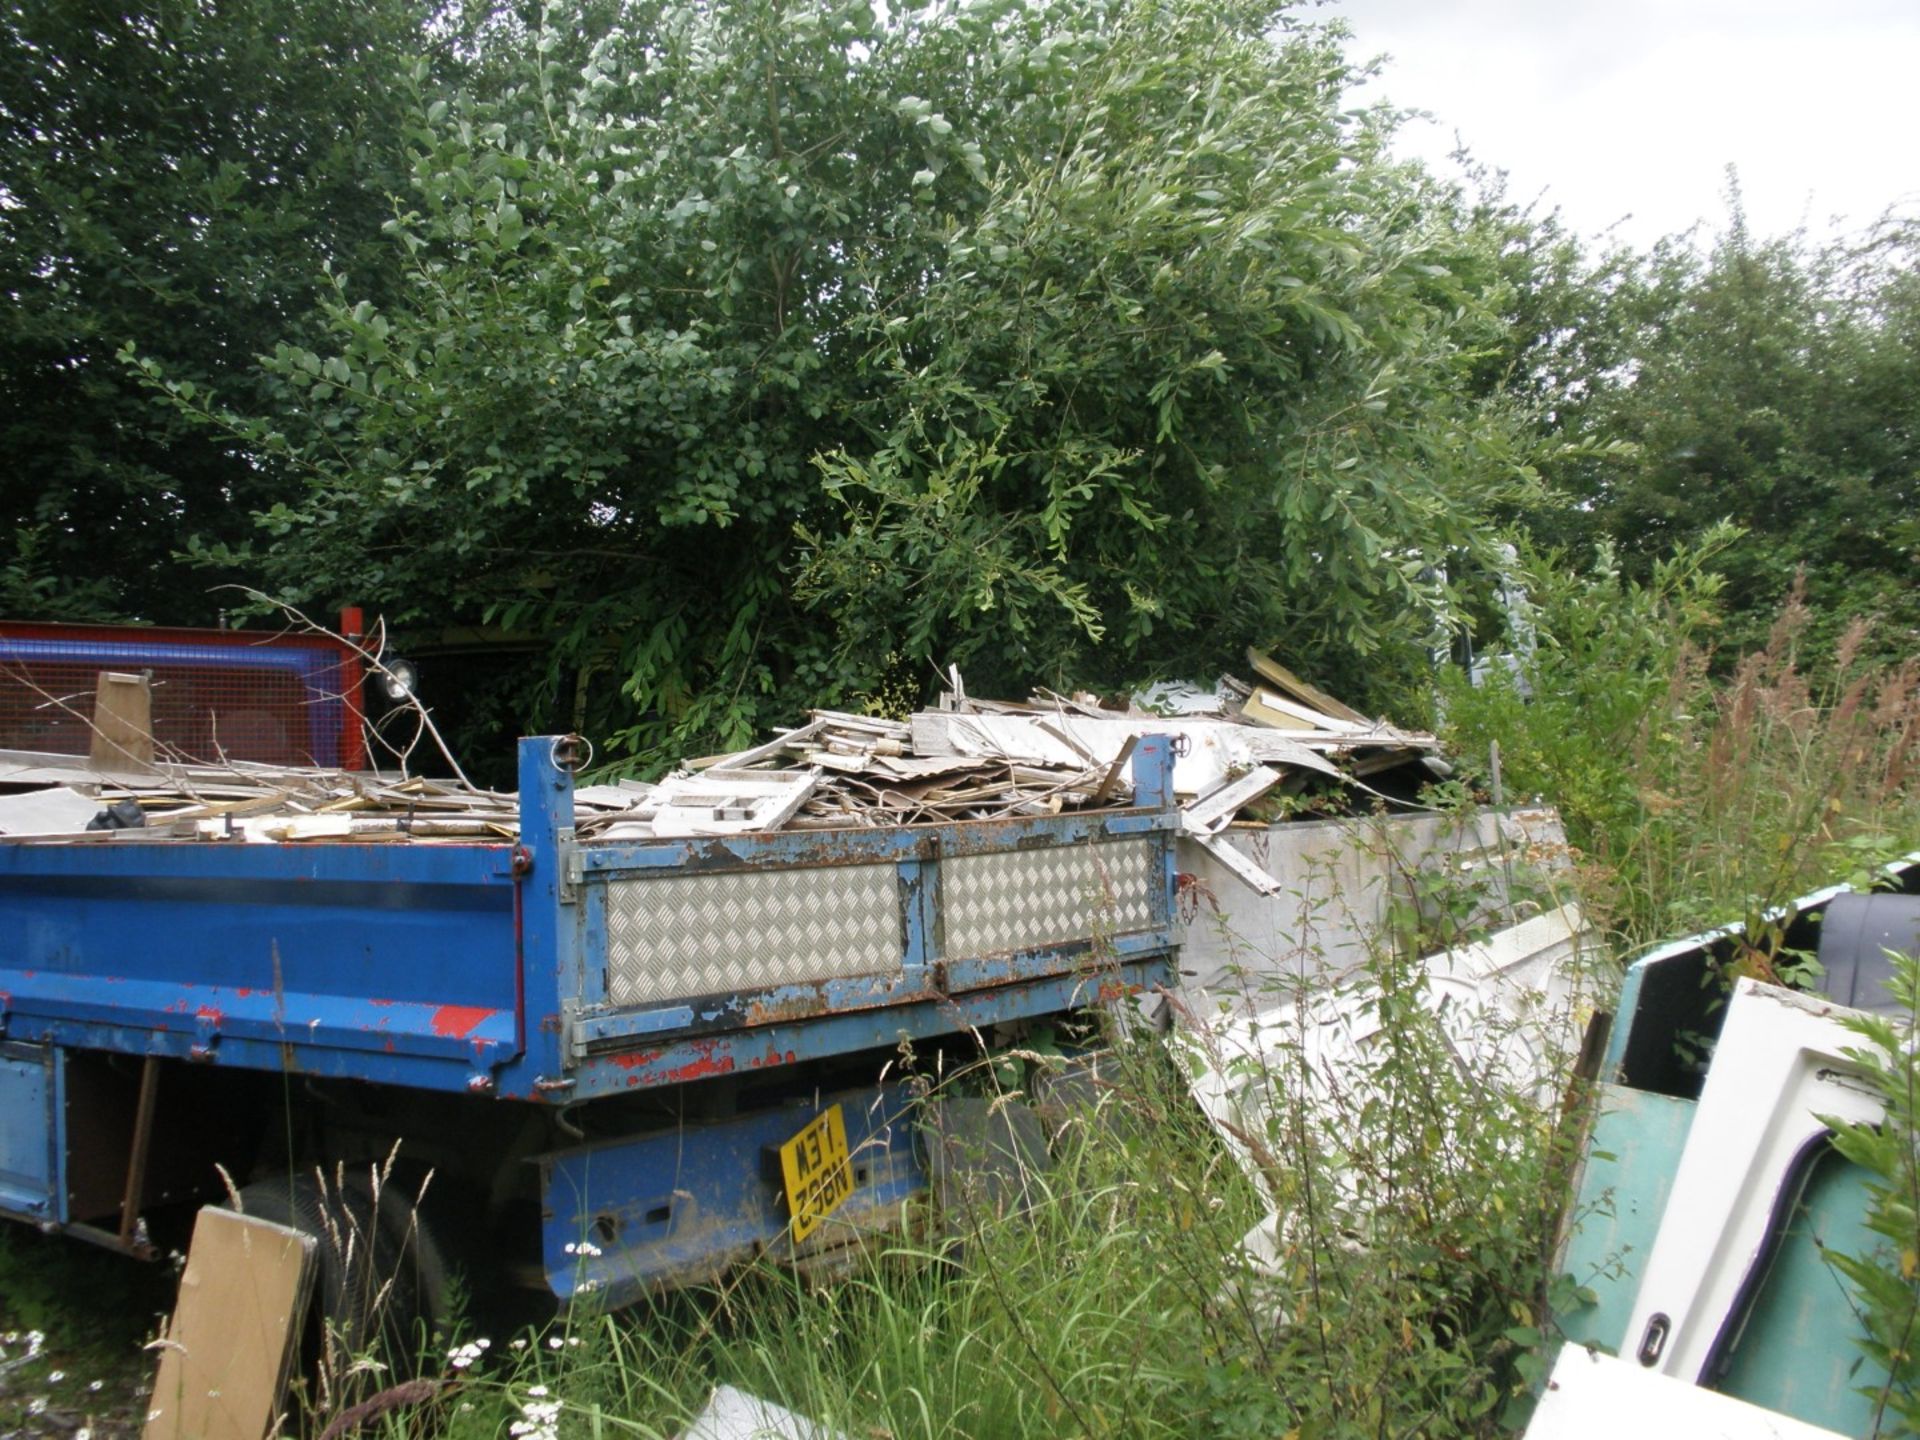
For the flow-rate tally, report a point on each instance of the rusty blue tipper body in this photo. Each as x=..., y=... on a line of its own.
x=623, y=1021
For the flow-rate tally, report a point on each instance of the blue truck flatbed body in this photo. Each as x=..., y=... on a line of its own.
x=560, y=973
x=490, y=968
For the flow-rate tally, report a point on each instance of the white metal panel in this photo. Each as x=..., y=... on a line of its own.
x=1595, y=1396
x=1779, y=1067
x=1512, y=1009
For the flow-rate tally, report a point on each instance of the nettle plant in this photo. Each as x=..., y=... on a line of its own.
x=1886, y=1279
x=1412, y=1145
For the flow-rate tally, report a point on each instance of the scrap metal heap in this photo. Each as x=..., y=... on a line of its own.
x=1271, y=749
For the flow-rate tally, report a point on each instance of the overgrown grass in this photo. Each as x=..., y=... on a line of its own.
x=1406, y=1293
x=1700, y=797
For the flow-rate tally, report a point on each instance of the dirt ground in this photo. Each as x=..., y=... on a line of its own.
x=74, y=1323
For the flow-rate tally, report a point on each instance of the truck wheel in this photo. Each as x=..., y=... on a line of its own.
x=377, y=1274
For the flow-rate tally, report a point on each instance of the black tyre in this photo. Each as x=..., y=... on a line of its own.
x=379, y=1288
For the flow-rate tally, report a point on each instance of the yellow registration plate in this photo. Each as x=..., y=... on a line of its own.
x=817, y=1170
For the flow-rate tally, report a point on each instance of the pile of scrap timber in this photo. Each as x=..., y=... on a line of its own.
x=80, y=803
x=1275, y=747
x=1278, y=746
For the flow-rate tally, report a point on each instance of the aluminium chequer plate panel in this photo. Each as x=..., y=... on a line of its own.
x=1026, y=899
x=676, y=936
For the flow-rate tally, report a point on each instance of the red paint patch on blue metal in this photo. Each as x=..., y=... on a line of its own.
x=209, y=1013
x=700, y=1069
x=635, y=1059
x=459, y=1021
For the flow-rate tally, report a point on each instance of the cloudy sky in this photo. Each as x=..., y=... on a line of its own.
x=1626, y=113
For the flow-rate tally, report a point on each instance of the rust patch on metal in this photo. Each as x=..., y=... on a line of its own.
x=771, y=1010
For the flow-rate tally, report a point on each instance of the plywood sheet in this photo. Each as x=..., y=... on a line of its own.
x=122, y=722
x=224, y=1362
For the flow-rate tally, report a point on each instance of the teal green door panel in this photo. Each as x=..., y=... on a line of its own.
x=1631, y=1156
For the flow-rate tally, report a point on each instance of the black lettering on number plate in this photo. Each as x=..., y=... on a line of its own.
x=817, y=1170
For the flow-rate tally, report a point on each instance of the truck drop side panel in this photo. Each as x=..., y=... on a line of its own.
x=383, y=962
x=559, y=973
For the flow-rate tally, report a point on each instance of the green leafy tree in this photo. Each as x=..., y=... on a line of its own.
x=1770, y=382
x=770, y=349
x=176, y=172
x=1191, y=372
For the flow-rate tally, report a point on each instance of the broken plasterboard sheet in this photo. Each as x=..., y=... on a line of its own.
x=1595, y=1396
x=227, y=1352
x=735, y=1415
x=1180, y=697
x=1510, y=1012
x=729, y=802
x=1216, y=749
x=59, y=811
x=1303, y=903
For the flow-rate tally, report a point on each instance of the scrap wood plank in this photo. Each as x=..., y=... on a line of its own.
x=122, y=722
x=926, y=767
x=227, y=1353
x=1111, y=779
x=1215, y=810
x=767, y=751
x=1273, y=708
x=1244, y=870
x=1283, y=679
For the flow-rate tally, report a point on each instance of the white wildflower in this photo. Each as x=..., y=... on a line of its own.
x=540, y=1418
